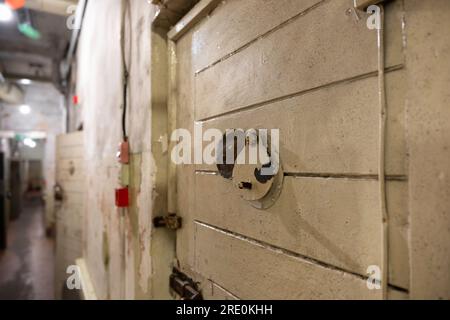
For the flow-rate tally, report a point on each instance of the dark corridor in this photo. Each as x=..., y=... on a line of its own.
x=27, y=265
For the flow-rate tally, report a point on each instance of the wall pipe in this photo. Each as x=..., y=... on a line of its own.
x=66, y=64
x=382, y=153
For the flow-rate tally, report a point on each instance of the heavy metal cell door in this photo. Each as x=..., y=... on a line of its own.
x=69, y=197
x=310, y=70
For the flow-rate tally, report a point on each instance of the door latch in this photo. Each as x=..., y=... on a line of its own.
x=184, y=286
x=171, y=221
x=58, y=193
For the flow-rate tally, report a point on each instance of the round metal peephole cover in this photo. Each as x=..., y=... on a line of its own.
x=258, y=181
x=259, y=195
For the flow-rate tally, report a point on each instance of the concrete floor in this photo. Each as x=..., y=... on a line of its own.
x=27, y=266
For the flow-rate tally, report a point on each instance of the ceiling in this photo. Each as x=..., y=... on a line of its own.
x=23, y=57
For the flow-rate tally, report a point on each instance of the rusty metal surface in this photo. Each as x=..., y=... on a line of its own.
x=184, y=286
x=172, y=222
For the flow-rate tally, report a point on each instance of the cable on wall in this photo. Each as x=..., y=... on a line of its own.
x=125, y=77
x=382, y=154
x=125, y=74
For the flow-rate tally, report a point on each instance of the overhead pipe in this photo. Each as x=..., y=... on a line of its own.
x=67, y=62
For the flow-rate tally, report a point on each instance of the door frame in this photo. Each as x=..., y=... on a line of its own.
x=183, y=26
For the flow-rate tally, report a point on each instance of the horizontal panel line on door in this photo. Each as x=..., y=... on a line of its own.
x=289, y=253
x=264, y=35
x=345, y=176
x=225, y=290
x=355, y=176
x=297, y=94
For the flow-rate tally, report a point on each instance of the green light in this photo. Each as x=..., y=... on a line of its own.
x=29, y=31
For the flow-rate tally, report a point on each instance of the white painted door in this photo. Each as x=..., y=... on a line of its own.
x=309, y=69
x=69, y=197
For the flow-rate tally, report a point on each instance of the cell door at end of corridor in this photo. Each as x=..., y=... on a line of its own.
x=68, y=196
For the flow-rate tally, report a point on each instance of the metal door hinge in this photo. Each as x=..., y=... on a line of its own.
x=184, y=286
x=171, y=221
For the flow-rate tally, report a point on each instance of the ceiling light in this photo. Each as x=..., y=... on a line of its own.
x=29, y=142
x=25, y=81
x=25, y=109
x=6, y=13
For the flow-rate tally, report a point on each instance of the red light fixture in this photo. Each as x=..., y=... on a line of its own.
x=75, y=99
x=122, y=200
x=123, y=154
